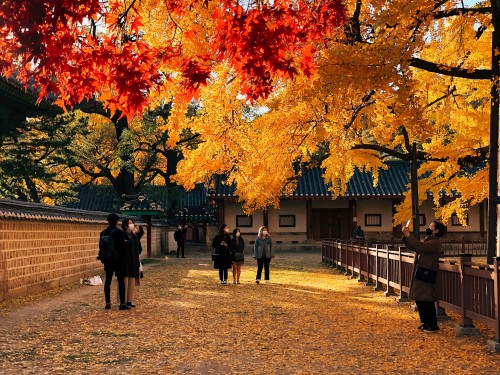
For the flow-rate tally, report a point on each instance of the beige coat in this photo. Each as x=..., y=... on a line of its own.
x=427, y=255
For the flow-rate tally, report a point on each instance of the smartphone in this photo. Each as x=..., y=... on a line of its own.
x=407, y=223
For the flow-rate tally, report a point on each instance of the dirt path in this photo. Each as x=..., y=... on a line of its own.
x=309, y=320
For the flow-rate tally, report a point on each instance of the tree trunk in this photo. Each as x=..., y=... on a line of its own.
x=493, y=198
x=124, y=182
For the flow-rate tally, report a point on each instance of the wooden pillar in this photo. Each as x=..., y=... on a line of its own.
x=354, y=215
x=481, y=220
x=309, y=228
x=266, y=219
x=147, y=220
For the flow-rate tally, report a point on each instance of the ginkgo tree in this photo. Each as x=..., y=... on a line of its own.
x=401, y=74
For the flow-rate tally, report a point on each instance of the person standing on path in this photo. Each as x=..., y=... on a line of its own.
x=263, y=252
x=114, y=266
x=179, y=237
x=221, y=243
x=425, y=292
x=131, y=261
x=237, y=254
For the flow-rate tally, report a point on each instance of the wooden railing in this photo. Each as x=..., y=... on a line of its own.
x=451, y=248
x=470, y=289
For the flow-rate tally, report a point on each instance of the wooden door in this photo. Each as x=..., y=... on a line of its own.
x=330, y=223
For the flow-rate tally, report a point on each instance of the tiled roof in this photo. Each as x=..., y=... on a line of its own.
x=104, y=198
x=392, y=183
x=96, y=198
x=11, y=209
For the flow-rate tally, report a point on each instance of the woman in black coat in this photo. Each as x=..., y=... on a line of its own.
x=221, y=244
x=130, y=265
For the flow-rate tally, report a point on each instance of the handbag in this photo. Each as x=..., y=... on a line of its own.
x=215, y=254
x=425, y=274
x=239, y=257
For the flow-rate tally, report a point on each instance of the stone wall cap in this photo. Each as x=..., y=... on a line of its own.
x=12, y=209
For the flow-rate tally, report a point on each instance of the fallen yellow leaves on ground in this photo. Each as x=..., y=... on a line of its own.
x=310, y=319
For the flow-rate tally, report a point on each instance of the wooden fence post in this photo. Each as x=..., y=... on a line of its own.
x=389, y=291
x=466, y=326
x=403, y=297
x=347, y=272
x=378, y=284
x=361, y=277
x=369, y=281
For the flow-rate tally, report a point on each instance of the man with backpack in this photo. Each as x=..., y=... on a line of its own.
x=111, y=245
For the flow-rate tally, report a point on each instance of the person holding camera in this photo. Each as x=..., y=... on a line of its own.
x=263, y=252
x=423, y=286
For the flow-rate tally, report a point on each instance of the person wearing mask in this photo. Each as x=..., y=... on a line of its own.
x=424, y=289
x=114, y=266
x=179, y=237
x=221, y=244
x=263, y=252
x=237, y=254
x=131, y=262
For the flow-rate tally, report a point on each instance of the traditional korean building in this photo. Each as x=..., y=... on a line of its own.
x=310, y=213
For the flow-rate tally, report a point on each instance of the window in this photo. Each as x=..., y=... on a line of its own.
x=287, y=221
x=244, y=221
x=456, y=223
x=373, y=220
x=421, y=220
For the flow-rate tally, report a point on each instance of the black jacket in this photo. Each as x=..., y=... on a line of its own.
x=224, y=259
x=119, y=243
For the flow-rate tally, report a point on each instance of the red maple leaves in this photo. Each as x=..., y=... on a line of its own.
x=49, y=42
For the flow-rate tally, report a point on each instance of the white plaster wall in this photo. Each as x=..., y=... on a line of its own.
x=375, y=207
x=231, y=209
x=289, y=207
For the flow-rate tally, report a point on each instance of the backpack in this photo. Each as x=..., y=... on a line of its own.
x=107, y=251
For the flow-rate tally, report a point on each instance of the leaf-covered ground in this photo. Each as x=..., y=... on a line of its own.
x=310, y=319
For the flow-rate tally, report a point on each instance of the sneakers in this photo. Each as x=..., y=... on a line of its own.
x=124, y=306
x=421, y=326
x=108, y=306
x=130, y=304
x=431, y=329
x=257, y=281
x=266, y=282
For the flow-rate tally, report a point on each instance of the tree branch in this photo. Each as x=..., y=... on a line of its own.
x=450, y=71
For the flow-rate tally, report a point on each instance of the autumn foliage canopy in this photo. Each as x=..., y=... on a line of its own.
x=280, y=86
x=123, y=51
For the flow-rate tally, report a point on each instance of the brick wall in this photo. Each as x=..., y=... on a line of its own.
x=39, y=255
x=43, y=247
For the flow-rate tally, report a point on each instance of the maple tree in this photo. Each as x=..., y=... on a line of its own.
x=127, y=53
